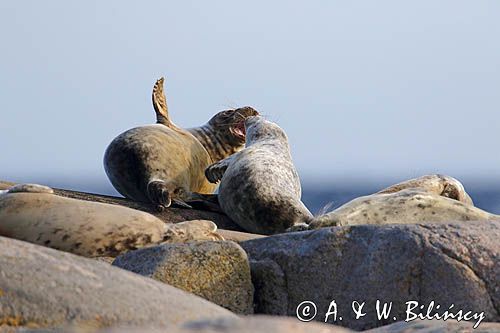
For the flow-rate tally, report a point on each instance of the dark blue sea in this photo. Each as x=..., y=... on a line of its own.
x=315, y=195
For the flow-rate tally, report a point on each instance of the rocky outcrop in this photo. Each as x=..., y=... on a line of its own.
x=253, y=324
x=436, y=326
x=42, y=287
x=216, y=271
x=448, y=263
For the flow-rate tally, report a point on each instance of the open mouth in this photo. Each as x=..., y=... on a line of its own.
x=239, y=130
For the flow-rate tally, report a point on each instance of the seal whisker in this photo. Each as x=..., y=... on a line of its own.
x=328, y=207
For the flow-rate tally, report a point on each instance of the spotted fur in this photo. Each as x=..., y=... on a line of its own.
x=260, y=187
x=87, y=228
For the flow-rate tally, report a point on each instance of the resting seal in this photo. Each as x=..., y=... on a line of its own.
x=402, y=207
x=445, y=186
x=163, y=163
x=260, y=188
x=431, y=198
x=32, y=213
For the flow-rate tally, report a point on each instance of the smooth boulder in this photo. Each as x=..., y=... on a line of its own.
x=216, y=271
x=43, y=287
x=436, y=326
x=446, y=262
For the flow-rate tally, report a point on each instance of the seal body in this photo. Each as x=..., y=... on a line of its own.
x=156, y=152
x=162, y=163
x=260, y=188
x=34, y=214
x=401, y=207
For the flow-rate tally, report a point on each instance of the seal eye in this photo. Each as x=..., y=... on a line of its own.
x=451, y=192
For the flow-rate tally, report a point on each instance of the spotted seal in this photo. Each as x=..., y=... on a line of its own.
x=443, y=185
x=259, y=186
x=33, y=213
x=431, y=198
x=163, y=163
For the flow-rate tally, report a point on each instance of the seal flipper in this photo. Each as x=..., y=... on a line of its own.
x=30, y=188
x=158, y=193
x=215, y=171
x=160, y=104
x=201, y=201
x=181, y=203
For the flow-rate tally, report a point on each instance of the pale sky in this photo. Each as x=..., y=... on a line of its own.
x=391, y=89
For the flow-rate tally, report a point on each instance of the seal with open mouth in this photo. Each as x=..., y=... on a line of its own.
x=163, y=163
x=259, y=186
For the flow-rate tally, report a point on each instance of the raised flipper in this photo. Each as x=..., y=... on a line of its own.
x=160, y=104
x=215, y=172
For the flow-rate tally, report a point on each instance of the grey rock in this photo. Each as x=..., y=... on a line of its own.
x=246, y=324
x=237, y=236
x=260, y=323
x=436, y=326
x=216, y=271
x=43, y=287
x=447, y=263
x=251, y=324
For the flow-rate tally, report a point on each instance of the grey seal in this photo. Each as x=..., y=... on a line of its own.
x=402, y=207
x=442, y=185
x=259, y=186
x=163, y=163
x=33, y=213
x=430, y=198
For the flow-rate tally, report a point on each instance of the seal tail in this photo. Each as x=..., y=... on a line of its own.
x=160, y=104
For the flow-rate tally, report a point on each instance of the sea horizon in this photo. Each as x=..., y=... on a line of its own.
x=319, y=194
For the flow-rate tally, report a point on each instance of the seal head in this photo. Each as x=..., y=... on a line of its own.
x=442, y=185
x=225, y=133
